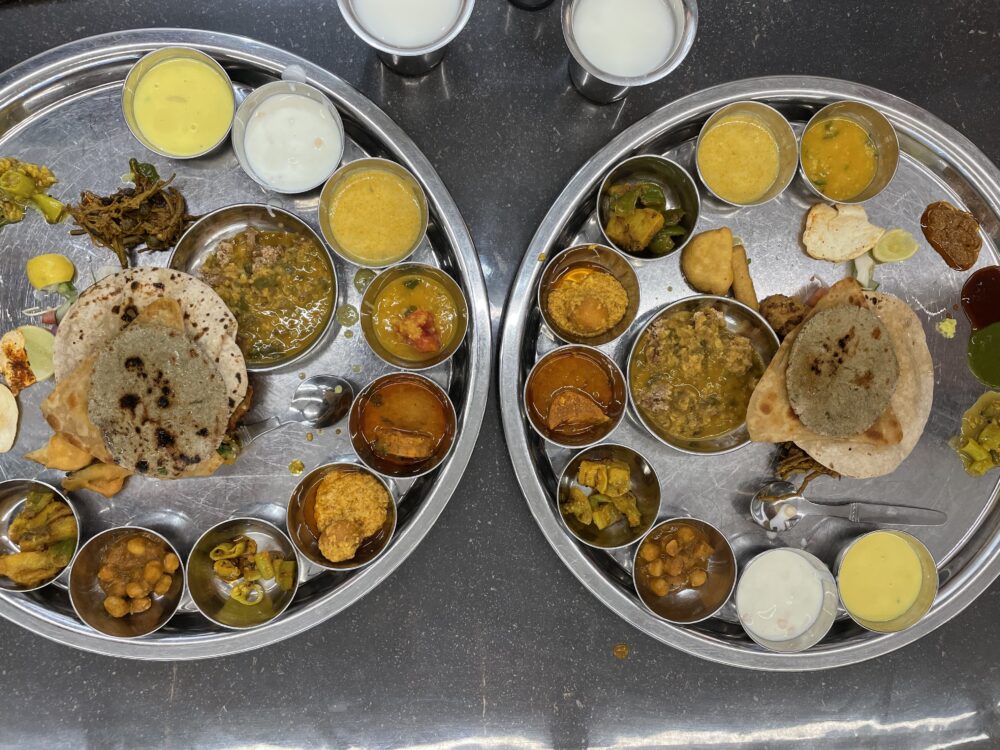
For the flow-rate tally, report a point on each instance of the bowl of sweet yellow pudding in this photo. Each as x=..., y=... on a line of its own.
x=887, y=580
x=373, y=212
x=178, y=102
x=848, y=152
x=746, y=153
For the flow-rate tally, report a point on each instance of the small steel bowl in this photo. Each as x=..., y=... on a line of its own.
x=644, y=485
x=594, y=256
x=601, y=87
x=254, y=100
x=13, y=493
x=306, y=540
x=368, y=308
x=779, y=128
x=678, y=186
x=595, y=435
x=143, y=66
x=382, y=465
x=825, y=619
x=925, y=597
x=688, y=606
x=87, y=598
x=882, y=134
x=211, y=594
x=741, y=320
x=202, y=238
x=334, y=183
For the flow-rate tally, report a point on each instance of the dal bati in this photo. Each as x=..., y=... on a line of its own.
x=587, y=301
x=415, y=317
x=573, y=395
x=691, y=377
x=279, y=286
x=349, y=507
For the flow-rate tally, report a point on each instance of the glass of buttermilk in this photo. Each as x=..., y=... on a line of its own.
x=409, y=36
x=618, y=44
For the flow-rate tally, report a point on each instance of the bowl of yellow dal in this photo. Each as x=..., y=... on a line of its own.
x=746, y=153
x=373, y=212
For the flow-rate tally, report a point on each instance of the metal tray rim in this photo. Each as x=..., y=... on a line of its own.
x=105, y=48
x=956, y=594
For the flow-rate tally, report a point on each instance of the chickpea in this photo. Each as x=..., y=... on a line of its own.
x=163, y=585
x=685, y=534
x=655, y=568
x=698, y=577
x=171, y=562
x=659, y=587
x=649, y=552
x=116, y=588
x=674, y=567
x=152, y=572
x=704, y=550
x=137, y=589
x=116, y=606
x=139, y=605
x=106, y=573
x=672, y=548
x=136, y=546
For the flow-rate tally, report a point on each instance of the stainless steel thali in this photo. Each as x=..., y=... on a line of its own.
x=62, y=109
x=936, y=163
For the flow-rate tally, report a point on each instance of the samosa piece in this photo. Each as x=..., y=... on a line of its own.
x=707, y=261
x=60, y=454
x=102, y=478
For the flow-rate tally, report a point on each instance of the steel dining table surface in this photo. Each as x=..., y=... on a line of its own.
x=483, y=637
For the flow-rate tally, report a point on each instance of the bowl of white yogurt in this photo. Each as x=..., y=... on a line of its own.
x=786, y=599
x=288, y=137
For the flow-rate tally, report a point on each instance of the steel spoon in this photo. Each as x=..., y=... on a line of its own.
x=791, y=507
x=319, y=402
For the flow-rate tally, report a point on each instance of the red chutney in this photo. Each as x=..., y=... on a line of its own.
x=981, y=297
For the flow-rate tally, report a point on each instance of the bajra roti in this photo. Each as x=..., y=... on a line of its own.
x=842, y=371
x=770, y=416
x=110, y=305
x=911, y=400
x=159, y=401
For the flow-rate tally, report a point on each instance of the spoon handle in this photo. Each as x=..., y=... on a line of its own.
x=250, y=432
x=861, y=511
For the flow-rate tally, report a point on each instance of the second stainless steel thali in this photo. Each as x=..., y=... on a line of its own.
x=937, y=163
x=63, y=109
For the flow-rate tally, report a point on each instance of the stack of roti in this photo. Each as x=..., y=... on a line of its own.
x=148, y=374
x=852, y=385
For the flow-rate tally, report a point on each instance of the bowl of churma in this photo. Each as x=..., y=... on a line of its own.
x=589, y=294
x=341, y=516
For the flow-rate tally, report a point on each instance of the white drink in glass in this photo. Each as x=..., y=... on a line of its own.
x=407, y=24
x=627, y=38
